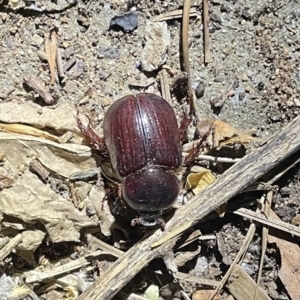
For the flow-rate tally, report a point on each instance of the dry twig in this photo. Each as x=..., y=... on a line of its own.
x=174, y=14
x=165, y=87
x=5, y=251
x=51, y=52
x=206, y=32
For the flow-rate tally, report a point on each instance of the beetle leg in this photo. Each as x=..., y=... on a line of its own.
x=193, y=153
x=89, y=132
x=119, y=202
x=161, y=223
x=185, y=122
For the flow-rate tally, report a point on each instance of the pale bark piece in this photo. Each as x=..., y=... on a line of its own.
x=242, y=286
x=237, y=178
x=154, y=54
x=31, y=240
x=289, y=272
x=39, y=87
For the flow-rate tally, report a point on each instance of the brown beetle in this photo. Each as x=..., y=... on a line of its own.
x=142, y=145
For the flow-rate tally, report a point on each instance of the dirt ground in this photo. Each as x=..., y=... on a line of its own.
x=251, y=83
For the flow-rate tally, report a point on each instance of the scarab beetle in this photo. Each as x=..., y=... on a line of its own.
x=142, y=140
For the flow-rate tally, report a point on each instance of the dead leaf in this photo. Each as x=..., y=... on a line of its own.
x=103, y=212
x=203, y=295
x=51, y=49
x=60, y=118
x=31, y=201
x=24, y=129
x=182, y=258
x=289, y=272
x=60, y=159
x=221, y=133
x=199, y=181
x=242, y=286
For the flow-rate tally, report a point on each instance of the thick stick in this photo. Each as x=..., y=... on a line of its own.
x=234, y=180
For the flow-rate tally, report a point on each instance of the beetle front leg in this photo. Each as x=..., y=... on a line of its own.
x=185, y=122
x=119, y=203
x=95, y=141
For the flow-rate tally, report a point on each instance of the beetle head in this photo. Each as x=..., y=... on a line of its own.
x=149, y=219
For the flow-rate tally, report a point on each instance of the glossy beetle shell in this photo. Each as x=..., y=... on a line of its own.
x=141, y=130
x=143, y=142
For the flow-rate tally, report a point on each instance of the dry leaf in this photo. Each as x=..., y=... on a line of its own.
x=102, y=210
x=289, y=272
x=51, y=49
x=60, y=118
x=24, y=129
x=31, y=201
x=221, y=133
x=182, y=258
x=60, y=159
x=242, y=286
x=199, y=181
x=203, y=295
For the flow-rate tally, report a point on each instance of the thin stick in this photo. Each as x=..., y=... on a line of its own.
x=265, y=233
x=34, y=276
x=165, y=87
x=283, y=226
x=219, y=159
x=243, y=249
x=185, y=53
x=174, y=14
x=195, y=279
x=252, y=167
x=5, y=251
x=207, y=57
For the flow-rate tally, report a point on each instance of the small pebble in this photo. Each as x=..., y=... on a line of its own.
x=200, y=89
x=126, y=22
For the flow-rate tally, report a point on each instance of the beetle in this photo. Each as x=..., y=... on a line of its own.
x=142, y=154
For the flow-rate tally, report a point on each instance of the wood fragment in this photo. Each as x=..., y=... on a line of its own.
x=264, y=241
x=227, y=160
x=207, y=57
x=278, y=224
x=5, y=251
x=34, y=276
x=51, y=52
x=69, y=64
x=165, y=87
x=39, y=87
x=186, y=57
x=93, y=241
x=241, y=286
x=196, y=280
x=252, y=167
x=59, y=63
x=36, y=167
x=174, y=14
